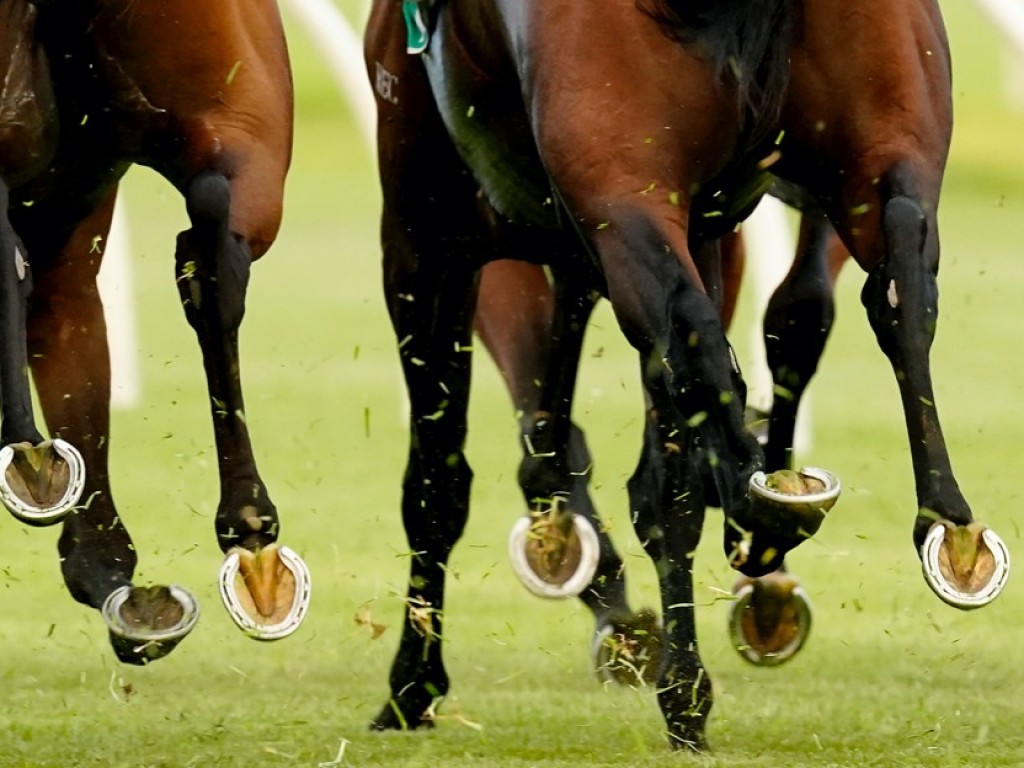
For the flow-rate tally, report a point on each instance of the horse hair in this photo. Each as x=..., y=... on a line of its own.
x=747, y=40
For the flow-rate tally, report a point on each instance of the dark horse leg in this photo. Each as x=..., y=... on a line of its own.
x=534, y=326
x=226, y=147
x=771, y=617
x=40, y=481
x=881, y=189
x=265, y=586
x=964, y=562
x=71, y=367
x=431, y=234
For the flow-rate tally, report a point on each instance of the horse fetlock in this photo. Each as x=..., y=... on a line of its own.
x=686, y=701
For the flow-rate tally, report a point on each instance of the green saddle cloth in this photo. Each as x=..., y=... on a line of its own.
x=417, y=31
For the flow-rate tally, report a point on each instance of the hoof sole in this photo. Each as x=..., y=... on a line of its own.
x=36, y=515
x=521, y=537
x=935, y=567
x=755, y=649
x=246, y=617
x=136, y=643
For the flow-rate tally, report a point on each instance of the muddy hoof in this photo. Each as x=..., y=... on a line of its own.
x=965, y=565
x=793, y=504
x=40, y=484
x=770, y=619
x=147, y=623
x=554, y=552
x=629, y=652
x=266, y=592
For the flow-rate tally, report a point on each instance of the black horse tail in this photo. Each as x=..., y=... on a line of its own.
x=747, y=40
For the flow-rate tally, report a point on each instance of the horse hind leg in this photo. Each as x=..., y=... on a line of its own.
x=565, y=551
x=555, y=549
x=40, y=480
x=770, y=618
x=264, y=586
x=668, y=503
x=70, y=363
x=435, y=491
x=964, y=562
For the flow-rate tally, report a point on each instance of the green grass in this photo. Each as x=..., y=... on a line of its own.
x=890, y=676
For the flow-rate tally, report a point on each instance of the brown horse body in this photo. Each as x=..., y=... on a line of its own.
x=201, y=93
x=617, y=147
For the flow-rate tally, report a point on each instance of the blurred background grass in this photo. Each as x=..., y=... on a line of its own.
x=890, y=675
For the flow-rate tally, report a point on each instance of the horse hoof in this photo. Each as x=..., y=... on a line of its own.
x=793, y=504
x=554, y=552
x=40, y=484
x=770, y=619
x=266, y=592
x=629, y=652
x=147, y=623
x=965, y=565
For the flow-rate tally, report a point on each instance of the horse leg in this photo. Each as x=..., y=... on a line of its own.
x=71, y=366
x=534, y=329
x=40, y=480
x=264, y=586
x=433, y=244
x=965, y=563
x=770, y=619
x=435, y=490
x=555, y=549
x=667, y=499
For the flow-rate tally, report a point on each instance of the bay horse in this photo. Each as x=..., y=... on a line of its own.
x=202, y=94
x=617, y=147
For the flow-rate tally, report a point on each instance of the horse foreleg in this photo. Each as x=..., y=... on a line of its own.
x=965, y=563
x=264, y=586
x=40, y=480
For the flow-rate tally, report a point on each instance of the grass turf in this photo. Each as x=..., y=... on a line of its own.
x=890, y=676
